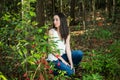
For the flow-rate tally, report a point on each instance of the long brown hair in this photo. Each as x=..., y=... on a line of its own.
x=64, y=30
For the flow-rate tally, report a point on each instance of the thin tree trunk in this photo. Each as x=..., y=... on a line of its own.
x=61, y=10
x=72, y=11
x=40, y=12
x=108, y=9
x=1, y=7
x=113, y=14
x=83, y=7
x=53, y=7
x=90, y=8
x=93, y=7
x=22, y=1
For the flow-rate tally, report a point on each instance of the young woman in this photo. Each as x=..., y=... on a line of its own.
x=64, y=59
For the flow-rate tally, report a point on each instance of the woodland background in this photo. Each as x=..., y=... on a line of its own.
x=94, y=26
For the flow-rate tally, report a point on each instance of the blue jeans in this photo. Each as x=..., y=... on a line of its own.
x=76, y=57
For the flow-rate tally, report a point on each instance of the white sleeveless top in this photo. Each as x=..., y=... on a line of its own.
x=60, y=45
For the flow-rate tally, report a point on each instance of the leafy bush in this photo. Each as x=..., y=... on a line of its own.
x=23, y=44
x=24, y=47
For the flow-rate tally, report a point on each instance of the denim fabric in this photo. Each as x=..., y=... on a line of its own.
x=76, y=57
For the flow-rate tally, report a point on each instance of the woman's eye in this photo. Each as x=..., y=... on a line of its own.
x=55, y=19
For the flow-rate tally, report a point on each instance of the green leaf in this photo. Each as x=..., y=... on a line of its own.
x=32, y=14
x=45, y=37
x=6, y=17
x=31, y=62
x=34, y=23
x=2, y=77
x=39, y=30
x=1, y=43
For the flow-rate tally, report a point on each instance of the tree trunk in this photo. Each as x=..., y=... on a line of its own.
x=53, y=7
x=61, y=10
x=1, y=7
x=113, y=14
x=108, y=8
x=40, y=12
x=83, y=7
x=93, y=7
x=72, y=11
x=90, y=6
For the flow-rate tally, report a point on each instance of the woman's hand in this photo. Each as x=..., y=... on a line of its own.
x=72, y=68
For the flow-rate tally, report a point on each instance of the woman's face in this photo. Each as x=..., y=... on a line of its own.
x=56, y=21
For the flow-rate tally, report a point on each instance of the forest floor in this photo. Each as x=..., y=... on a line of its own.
x=86, y=41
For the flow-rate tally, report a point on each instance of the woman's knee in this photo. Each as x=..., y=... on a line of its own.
x=79, y=53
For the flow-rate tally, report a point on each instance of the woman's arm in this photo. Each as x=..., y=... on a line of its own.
x=68, y=50
x=54, y=52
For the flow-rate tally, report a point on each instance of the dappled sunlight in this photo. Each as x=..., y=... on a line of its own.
x=80, y=32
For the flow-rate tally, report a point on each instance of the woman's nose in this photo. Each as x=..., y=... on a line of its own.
x=54, y=22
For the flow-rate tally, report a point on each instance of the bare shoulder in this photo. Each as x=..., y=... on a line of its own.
x=51, y=31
